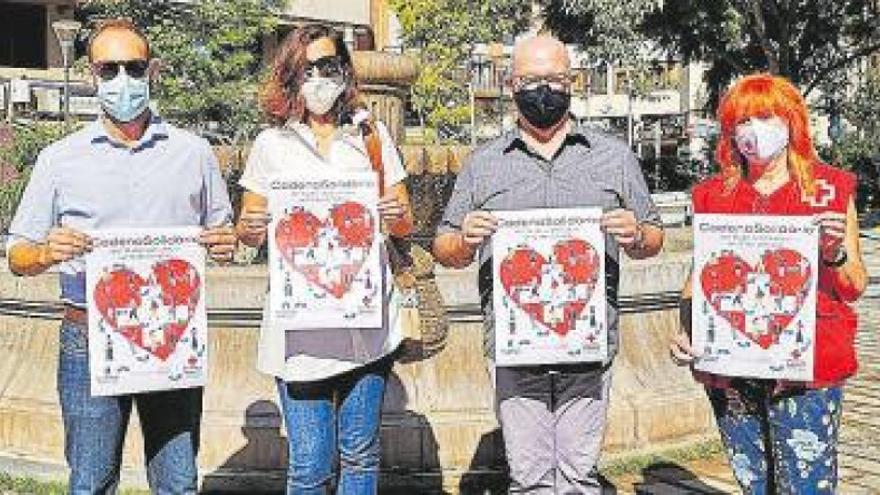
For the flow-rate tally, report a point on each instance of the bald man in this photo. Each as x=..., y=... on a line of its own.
x=127, y=169
x=552, y=415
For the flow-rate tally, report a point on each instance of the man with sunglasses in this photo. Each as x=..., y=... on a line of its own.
x=552, y=416
x=128, y=169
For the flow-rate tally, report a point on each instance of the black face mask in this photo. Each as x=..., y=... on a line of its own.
x=542, y=107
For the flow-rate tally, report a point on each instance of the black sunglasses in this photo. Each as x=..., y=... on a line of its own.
x=110, y=69
x=329, y=66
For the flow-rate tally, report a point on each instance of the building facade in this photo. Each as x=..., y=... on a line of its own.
x=659, y=110
x=31, y=65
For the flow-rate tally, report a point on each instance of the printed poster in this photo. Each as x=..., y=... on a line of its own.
x=148, y=328
x=324, y=252
x=549, y=287
x=754, y=295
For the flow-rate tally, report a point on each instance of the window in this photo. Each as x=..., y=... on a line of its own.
x=665, y=76
x=23, y=35
x=599, y=80
x=621, y=81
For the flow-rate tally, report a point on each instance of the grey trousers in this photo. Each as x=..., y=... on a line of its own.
x=555, y=451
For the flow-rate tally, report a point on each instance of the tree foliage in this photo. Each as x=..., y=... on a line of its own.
x=811, y=42
x=860, y=156
x=19, y=147
x=606, y=30
x=443, y=33
x=210, y=56
x=863, y=108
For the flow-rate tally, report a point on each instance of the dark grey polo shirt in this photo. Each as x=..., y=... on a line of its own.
x=590, y=169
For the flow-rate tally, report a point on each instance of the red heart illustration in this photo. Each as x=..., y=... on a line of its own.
x=759, y=301
x=553, y=291
x=151, y=313
x=328, y=253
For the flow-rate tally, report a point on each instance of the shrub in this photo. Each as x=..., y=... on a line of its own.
x=19, y=147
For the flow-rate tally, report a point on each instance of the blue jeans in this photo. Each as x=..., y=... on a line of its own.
x=94, y=427
x=333, y=427
x=782, y=444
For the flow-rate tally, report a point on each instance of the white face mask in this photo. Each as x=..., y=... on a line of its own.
x=320, y=93
x=761, y=140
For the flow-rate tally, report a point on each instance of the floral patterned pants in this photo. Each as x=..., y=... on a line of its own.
x=779, y=443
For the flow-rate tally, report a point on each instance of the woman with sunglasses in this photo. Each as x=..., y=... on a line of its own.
x=331, y=394
x=781, y=436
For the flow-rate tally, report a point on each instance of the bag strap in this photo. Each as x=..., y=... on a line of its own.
x=374, y=151
x=398, y=249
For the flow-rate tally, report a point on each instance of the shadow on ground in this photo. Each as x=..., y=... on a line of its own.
x=668, y=478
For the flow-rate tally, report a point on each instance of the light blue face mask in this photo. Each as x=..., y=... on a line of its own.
x=124, y=98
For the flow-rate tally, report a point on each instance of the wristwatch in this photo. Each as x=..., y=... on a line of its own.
x=840, y=258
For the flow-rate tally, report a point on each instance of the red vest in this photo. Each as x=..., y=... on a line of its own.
x=836, y=322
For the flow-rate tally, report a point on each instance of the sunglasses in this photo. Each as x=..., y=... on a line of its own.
x=329, y=66
x=110, y=69
x=558, y=82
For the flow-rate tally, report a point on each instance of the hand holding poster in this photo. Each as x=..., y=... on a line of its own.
x=549, y=287
x=754, y=295
x=146, y=309
x=324, y=252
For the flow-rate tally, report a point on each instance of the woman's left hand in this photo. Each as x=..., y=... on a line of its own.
x=832, y=229
x=390, y=208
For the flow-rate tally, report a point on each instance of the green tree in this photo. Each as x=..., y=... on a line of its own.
x=606, y=31
x=863, y=108
x=859, y=150
x=811, y=42
x=860, y=156
x=609, y=32
x=443, y=34
x=210, y=57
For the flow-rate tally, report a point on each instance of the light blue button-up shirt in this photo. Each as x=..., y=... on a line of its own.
x=169, y=178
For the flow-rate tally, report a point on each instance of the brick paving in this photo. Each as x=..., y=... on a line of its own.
x=860, y=435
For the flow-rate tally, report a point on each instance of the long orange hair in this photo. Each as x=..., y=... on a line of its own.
x=764, y=95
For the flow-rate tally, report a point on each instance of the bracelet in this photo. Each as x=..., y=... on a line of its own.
x=840, y=260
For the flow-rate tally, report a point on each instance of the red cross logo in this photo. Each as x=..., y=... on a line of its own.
x=825, y=194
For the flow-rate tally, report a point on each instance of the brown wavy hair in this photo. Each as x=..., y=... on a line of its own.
x=280, y=96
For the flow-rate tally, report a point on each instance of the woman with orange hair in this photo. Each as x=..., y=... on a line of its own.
x=781, y=437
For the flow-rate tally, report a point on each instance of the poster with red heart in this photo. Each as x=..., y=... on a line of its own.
x=754, y=295
x=148, y=328
x=549, y=287
x=324, y=253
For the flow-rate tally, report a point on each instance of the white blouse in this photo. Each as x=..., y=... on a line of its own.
x=275, y=152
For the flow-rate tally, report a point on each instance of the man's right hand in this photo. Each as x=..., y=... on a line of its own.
x=477, y=226
x=64, y=244
x=457, y=249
